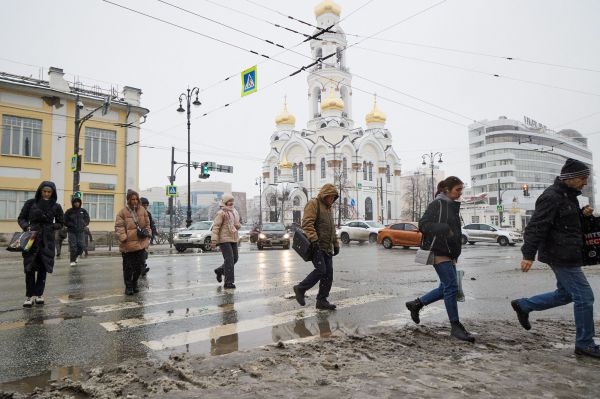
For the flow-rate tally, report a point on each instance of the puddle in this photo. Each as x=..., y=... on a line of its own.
x=29, y=384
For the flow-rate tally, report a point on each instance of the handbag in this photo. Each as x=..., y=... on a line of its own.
x=591, y=236
x=141, y=233
x=301, y=243
x=427, y=256
x=22, y=241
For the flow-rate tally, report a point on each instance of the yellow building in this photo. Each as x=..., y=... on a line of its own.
x=38, y=139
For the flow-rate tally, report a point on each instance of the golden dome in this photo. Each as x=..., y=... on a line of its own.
x=375, y=116
x=285, y=164
x=285, y=118
x=327, y=6
x=332, y=102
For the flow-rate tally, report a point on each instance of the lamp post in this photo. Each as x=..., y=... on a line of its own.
x=187, y=97
x=259, y=182
x=334, y=146
x=431, y=156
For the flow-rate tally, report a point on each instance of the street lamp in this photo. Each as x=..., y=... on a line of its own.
x=259, y=182
x=187, y=97
x=431, y=156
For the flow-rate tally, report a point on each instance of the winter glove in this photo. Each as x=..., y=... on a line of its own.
x=336, y=251
x=314, y=247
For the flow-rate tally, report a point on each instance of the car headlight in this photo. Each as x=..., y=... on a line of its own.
x=286, y=235
x=261, y=235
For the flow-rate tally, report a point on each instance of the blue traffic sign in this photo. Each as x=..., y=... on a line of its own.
x=171, y=191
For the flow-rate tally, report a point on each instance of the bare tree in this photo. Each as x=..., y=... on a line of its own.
x=417, y=197
x=344, y=186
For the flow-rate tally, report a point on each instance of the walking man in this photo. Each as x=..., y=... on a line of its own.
x=555, y=234
x=319, y=226
x=61, y=235
x=76, y=219
x=145, y=203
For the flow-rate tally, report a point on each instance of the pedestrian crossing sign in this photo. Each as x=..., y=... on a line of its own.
x=249, y=81
x=171, y=191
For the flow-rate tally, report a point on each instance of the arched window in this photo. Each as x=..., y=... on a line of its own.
x=275, y=174
x=323, y=172
x=368, y=209
x=388, y=174
x=389, y=210
x=295, y=172
x=365, y=170
x=301, y=171
x=345, y=168
x=296, y=201
x=272, y=200
x=370, y=171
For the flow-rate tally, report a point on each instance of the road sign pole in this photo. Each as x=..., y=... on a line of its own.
x=171, y=181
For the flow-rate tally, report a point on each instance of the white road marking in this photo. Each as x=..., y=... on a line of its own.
x=190, y=337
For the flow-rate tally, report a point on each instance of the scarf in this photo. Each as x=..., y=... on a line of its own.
x=232, y=216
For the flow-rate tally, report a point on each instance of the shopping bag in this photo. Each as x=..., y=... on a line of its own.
x=22, y=241
x=424, y=256
x=301, y=244
x=591, y=235
x=460, y=296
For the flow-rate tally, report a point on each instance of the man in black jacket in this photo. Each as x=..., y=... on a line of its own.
x=145, y=203
x=555, y=234
x=76, y=219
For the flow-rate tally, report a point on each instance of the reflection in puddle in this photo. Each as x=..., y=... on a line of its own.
x=29, y=384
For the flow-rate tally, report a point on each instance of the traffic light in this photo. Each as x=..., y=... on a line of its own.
x=204, y=171
x=525, y=190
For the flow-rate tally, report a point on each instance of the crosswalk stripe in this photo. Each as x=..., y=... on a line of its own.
x=190, y=337
x=188, y=313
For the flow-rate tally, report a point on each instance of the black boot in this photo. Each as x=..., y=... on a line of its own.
x=129, y=291
x=229, y=286
x=459, y=332
x=324, y=304
x=219, y=273
x=415, y=307
x=591, y=351
x=522, y=316
x=299, y=295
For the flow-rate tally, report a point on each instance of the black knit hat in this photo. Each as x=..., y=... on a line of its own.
x=144, y=201
x=573, y=168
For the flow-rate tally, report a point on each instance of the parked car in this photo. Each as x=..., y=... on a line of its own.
x=359, y=230
x=479, y=232
x=244, y=232
x=405, y=234
x=198, y=235
x=273, y=234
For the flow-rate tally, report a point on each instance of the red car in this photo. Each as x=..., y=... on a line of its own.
x=405, y=234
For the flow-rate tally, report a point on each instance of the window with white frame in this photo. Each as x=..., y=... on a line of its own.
x=370, y=171
x=365, y=171
x=301, y=171
x=100, y=146
x=512, y=220
x=494, y=220
x=275, y=174
x=100, y=206
x=474, y=219
x=295, y=172
x=21, y=136
x=345, y=168
x=388, y=174
x=11, y=203
x=323, y=170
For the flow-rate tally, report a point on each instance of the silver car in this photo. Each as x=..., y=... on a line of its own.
x=359, y=230
x=479, y=232
x=198, y=235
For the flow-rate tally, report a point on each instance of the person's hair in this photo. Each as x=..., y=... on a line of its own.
x=440, y=187
x=450, y=182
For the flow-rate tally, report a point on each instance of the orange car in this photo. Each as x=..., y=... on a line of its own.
x=405, y=234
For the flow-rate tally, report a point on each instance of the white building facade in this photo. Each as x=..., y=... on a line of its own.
x=510, y=159
x=361, y=162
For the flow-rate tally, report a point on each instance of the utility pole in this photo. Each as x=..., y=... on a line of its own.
x=431, y=157
x=171, y=181
x=500, y=210
x=259, y=182
x=381, y=197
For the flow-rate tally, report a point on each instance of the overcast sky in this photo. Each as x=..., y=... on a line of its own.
x=97, y=40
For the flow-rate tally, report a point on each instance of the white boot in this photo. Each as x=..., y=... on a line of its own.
x=39, y=300
x=28, y=302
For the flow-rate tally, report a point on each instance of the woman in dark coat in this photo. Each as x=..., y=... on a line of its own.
x=44, y=215
x=442, y=222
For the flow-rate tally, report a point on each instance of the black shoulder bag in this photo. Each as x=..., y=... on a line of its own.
x=301, y=243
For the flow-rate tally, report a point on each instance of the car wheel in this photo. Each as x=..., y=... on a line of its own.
x=372, y=238
x=387, y=243
x=345, y=238
x=180, y=248
x=503, y=241
x=206, y=246
x=464, y=240
x=471, y=242
x=405, y=247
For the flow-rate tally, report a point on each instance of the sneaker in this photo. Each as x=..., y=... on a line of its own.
x=229, y=285
x=324, y=304
x=39, y=300
x=219, y=273
x=73, y=263
x=415, y=307
x=591, y=351
x=521, y=315
x=28, y=302
x=299, y=295
x=460, y=332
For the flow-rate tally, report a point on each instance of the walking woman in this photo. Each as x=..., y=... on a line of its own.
x=225, y=235
x=442, y=222
x=132, y=227
x=44, y=215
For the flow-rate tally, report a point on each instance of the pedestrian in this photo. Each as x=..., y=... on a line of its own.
x=76, y=219
x=45, y=215
x=61, y=236
x=555, y=234
x=319, y=226
x=132, y=227
x=442, y=222
x=145, y=204
x=88, y=238
x=225, y=234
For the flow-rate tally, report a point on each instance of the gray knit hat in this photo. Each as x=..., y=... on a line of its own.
x=572, y=169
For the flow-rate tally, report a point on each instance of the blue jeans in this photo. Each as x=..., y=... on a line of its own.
x=447, y=290
x=571, y=286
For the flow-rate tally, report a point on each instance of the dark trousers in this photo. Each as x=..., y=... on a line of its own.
x=35, y=282
x=59, y=244
x=230, y=257
x=322, y=274
x=132, y=267
x=447, y=290
x=76, y=244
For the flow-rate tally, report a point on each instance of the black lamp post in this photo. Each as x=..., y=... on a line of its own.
x=259, y=182
x=431, y=156
x=187, y=97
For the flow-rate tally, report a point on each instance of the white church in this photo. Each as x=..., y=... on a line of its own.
x=361, y=162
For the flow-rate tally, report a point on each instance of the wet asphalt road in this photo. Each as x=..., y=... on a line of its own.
x=87, y=321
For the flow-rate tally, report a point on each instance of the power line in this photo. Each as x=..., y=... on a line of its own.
x=578, y=119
